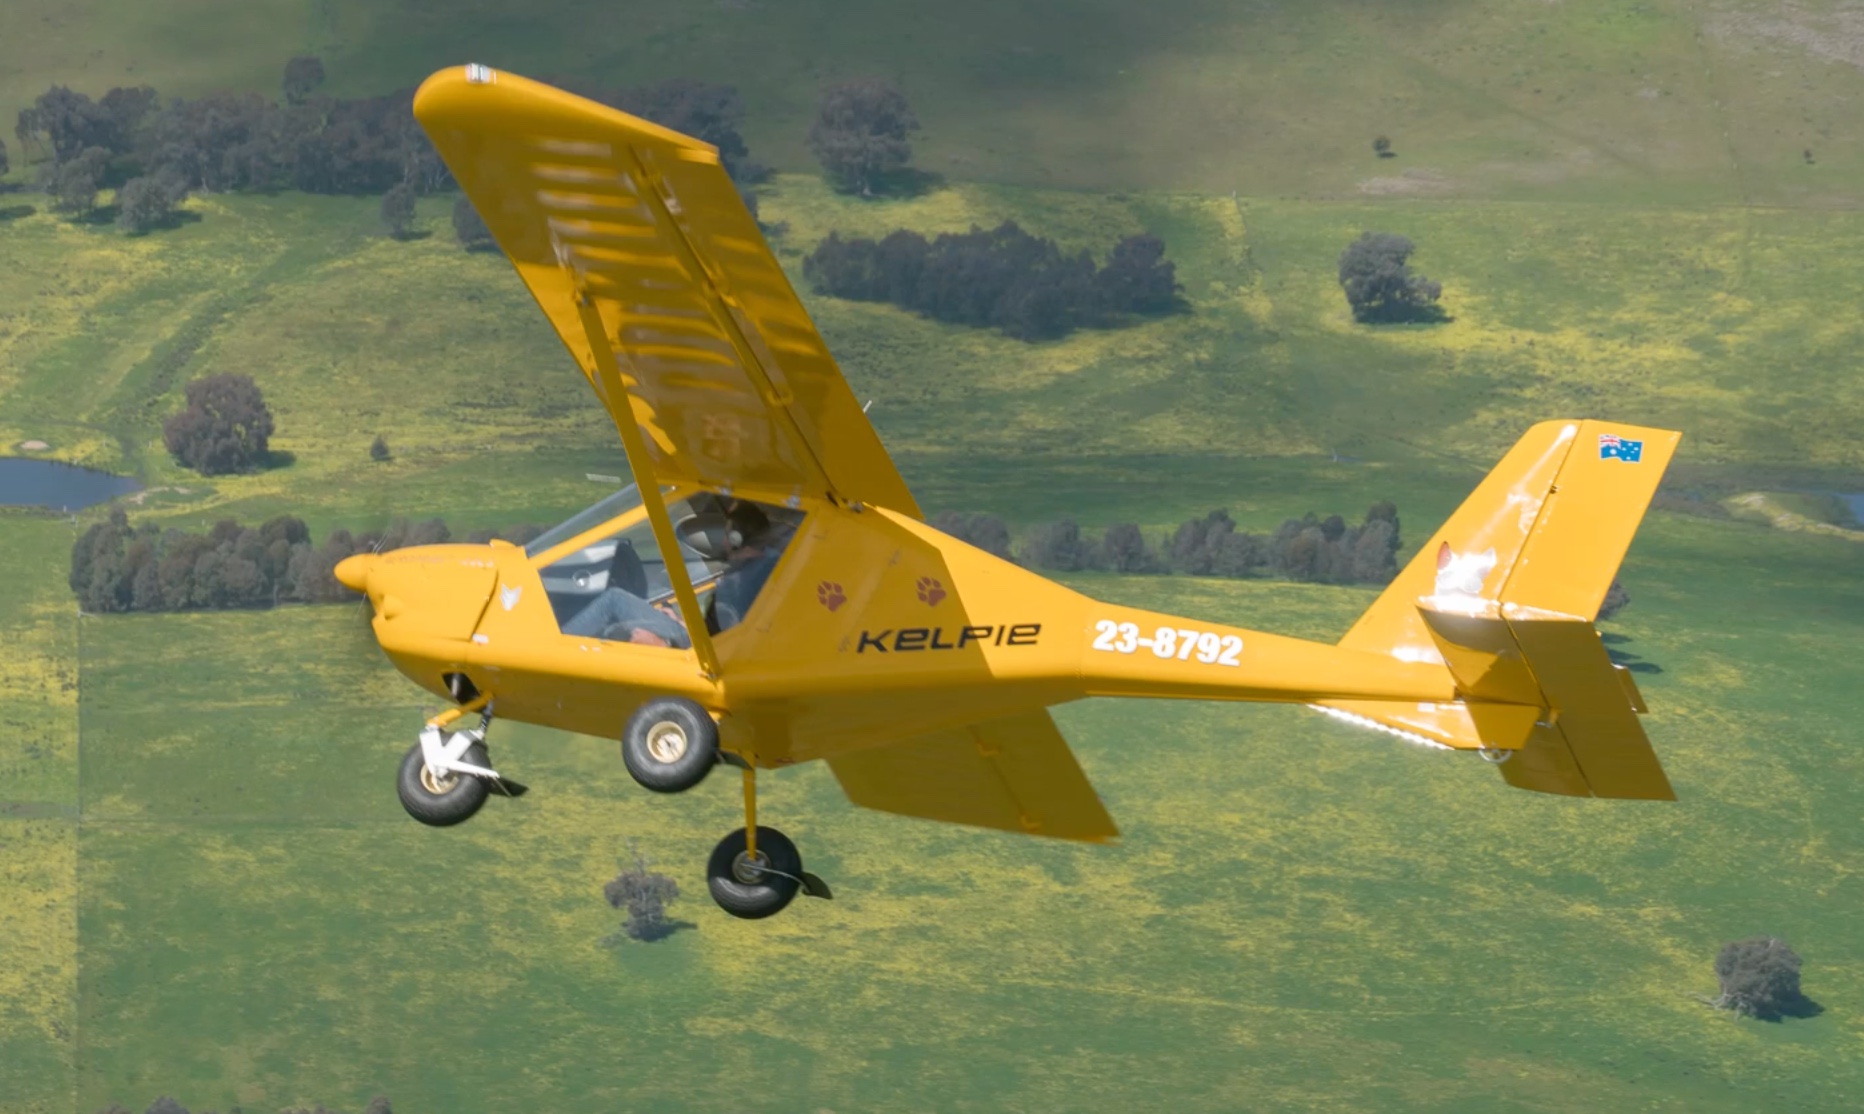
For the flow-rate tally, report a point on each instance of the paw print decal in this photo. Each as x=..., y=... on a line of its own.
x=930, y=591
x=830, y=594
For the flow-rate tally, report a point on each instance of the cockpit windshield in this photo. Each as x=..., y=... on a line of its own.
x=614, y=506
x=618, y=587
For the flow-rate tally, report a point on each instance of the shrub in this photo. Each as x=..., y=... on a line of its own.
x=471, y=228
x=1379, y=283
x=645, y=895
x=1759, y=978
x=398, y=211
x=378, y=449
x=225, y=427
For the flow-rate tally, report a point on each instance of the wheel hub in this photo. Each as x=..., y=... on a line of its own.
x=666, y=742
x=749, y=870
x=439, y=784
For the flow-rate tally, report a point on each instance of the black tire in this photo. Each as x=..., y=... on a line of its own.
x=445, y=803
x=767, y=891
x=670, y=744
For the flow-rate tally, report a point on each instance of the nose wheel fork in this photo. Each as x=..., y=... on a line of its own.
x=756, y=872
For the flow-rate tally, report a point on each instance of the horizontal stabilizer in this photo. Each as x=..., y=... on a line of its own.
x=1015, y=774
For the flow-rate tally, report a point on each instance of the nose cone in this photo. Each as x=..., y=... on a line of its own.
x=353, y=572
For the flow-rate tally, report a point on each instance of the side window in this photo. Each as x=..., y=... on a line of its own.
x=618, y=588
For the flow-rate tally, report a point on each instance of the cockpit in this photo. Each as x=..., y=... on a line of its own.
x=606, y=577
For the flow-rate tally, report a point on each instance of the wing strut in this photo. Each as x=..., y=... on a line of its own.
x=649, y=486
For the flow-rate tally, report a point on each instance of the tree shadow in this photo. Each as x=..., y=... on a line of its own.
x=1802, y=1009
x=1634, y=663
x=1412, y=315
x=1611, y=639
x=649, y=935
x=278, y=458
x=906, y=183
x=412, y=234
x=103, y=214
x=15, y=212
x=170, y=222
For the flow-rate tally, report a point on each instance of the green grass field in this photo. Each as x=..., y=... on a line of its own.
x=210, y=890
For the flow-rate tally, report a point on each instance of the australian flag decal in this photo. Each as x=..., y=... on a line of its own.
x=1614, y=447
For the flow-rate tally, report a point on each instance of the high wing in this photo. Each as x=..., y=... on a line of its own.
x=715, y=358
x=1014, y=773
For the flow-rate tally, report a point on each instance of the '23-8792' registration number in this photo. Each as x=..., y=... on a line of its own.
x=1169, y=642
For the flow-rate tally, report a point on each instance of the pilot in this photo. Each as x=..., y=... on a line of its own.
x=751, y=547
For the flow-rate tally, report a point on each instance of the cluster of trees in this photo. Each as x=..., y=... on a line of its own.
x=1760, y=978
x=1380, y=285
x=165, y=1105
x=644, y=896
x=116, y=566
x=225, y=426
x=1004, y=278
x=1312, y=548
x=155, y=152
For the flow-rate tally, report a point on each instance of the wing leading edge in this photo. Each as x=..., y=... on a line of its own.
x=1015, y=774
x=716, y=360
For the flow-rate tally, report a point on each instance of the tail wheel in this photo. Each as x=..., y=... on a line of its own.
x=757, y=886
x=445, y=798
x=670, y=744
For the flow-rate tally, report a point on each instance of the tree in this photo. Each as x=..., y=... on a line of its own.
x=4, y=165
x=1379, y=284
x=985, y=531
x=378, y=1105
x=222, y=141
x=645, y=895
x=145, y=203
x=1616, y=600
x=1759, y=978
x=470, y=227
x=166, y=1105
x=398, y=211
x=1058, y=546
x=1382, y=147
x=1138, y=279
x=1123, y=549
x=378, y=448
x=73, y=184
x=224, y=428
x=860, y=131
x=303, y=75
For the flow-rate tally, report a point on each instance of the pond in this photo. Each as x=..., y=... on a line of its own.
x=52, y=483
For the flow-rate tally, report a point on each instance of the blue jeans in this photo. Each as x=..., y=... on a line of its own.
x=615, y=608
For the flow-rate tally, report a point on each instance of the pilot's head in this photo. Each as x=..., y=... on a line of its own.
x=748, y=529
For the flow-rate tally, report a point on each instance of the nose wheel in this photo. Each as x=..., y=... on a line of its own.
x=446, y=778
x=755, y=872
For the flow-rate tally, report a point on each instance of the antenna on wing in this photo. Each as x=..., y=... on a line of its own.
x=866, y=405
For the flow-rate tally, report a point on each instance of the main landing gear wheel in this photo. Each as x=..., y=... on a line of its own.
x=754, y=887
x=670, y=745
x=444, y=798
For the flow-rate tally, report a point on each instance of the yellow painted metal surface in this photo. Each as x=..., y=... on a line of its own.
x=1015, y=774
x=718, y=362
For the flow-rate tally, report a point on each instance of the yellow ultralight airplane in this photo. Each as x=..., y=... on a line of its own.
x=811, y=613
